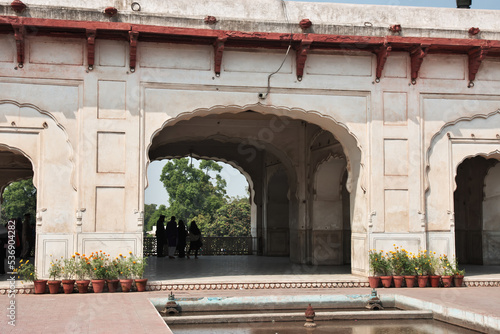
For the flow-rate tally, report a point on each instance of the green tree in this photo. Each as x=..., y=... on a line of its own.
x=193, y=191
x=232, y=220
x=162, y=210
x=149, y=210
x=19, y=198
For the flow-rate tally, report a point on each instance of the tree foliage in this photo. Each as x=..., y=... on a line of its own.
x=193, y=191
x=19, y=198
x=232, y=219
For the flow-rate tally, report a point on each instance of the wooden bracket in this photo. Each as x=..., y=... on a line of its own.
x=302, y=52
x=476, y=57
x=218, y=52
x=19, y=33
x=417, y=56
x=133, y=37
x=382, y=53
x=90, y=48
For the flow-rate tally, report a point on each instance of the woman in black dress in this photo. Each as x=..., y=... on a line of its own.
x=194, y=239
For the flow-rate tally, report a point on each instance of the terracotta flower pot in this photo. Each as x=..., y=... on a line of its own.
x=98, y=285
x=422, y=281
x=126, y=284
x=386, y=281
x=447, y=281
x=141, y=283
x=374, y=281
x=112, y=285
x=54, y=286
x=435, y=280
x=410, y=280
x=40, y=286
x=458, y=280
x=68, y=285
x=83, y=286
x=398, y=281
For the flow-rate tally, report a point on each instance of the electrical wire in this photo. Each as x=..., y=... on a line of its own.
x=285, y=11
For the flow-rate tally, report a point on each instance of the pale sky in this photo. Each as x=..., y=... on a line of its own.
x=236, y=182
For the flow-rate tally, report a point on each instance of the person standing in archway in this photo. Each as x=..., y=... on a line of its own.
x=171, y=233
x=181, y=239
x=195, y=242
x=160, y=236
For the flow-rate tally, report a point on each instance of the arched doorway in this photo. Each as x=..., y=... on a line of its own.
x=277, y=153
x=476, y=211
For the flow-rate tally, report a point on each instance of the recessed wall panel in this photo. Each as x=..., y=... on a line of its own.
x=396, y=66
x=107, y=219
x=7, y=49
x=395, y=108
x=176, y=56
x=112, y=53
x=443, y=67
x=112, y=97
x=255, y=62
x=56, y=53
x=111, y=152
x=396, y=157
x=396, y=204
x=345, y=65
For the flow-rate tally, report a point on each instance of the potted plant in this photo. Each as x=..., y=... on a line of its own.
x=55, y=271
x=397, y=260
x=68, y=274
x=458, y=278
x=375, y=264
x=112, y=274
x=124, y=272
x=27, y=272
x=138, y=265
x=385, y=271
x=447, y=270
x=423, y=264
x=82, y=273
x=98, y=270
x=410, y=269
x=434, y=270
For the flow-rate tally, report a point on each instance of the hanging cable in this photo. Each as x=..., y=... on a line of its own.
x=263, y=96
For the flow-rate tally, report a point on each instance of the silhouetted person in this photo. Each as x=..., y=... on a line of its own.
x=195, y=242
x=160, y=236
x=26, y=235
x=181, y=239
x=171, y=233
x=3, y=243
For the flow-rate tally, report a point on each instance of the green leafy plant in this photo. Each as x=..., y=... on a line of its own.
x=423, y=263
x=379, y=263
x=138, y=265
x=455, y=269
x=124, y=267
x=112, y=272
x=398, y=260
x=56, y=268
x=26, y=271
x=69, y=268
x=82, y=267
x=98, y=265
x=435, y=265
x=447, y=268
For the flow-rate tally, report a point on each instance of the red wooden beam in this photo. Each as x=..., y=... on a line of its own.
x=382, y=53
x=476, y=57
x=19, y=33
x=218, y=52
x=417, y=56
x=133, y=37
x=302, y=51
x=91, y=48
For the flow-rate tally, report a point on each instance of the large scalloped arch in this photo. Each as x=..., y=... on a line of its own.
x=21, y=152
x=441, y=133
x=348, y=143
x=59, y=125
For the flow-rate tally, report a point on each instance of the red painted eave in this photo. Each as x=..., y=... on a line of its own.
x=147, y=33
